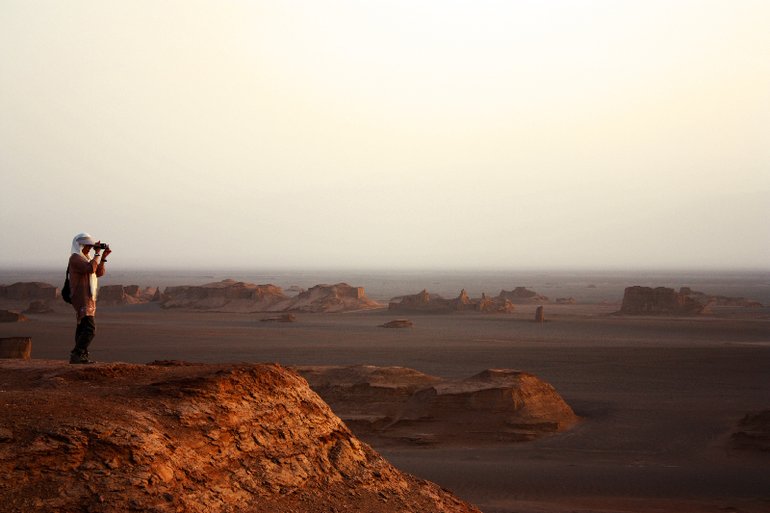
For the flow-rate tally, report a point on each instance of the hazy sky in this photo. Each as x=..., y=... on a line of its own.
x=387, y=133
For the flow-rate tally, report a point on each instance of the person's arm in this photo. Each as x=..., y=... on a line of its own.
x=99, y=269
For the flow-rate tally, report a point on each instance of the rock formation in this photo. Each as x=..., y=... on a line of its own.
x=398, y=323
x=717, y=300
x=237, y=296
x=22, y=293
x=192, y=438
x=424, y=302
x=28, y=291
x=226, y=295
x=38, y=306
x=11, y=316
x=753, y=432
x=565, y=301
x=660, y=300
x=340, y=297
x=395, y=404
x=540, y=314
x=522, y=295
x=124, y=295
x=665, y=301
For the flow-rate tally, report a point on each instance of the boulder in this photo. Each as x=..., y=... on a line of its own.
x=540, y=314
x=398, y=323
x=194, y=438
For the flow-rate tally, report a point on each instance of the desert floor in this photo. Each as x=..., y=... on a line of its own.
x=658, y=397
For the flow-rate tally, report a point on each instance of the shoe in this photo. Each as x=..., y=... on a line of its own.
x=80, y=358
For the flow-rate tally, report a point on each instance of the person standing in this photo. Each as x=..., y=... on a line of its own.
x=83, y=273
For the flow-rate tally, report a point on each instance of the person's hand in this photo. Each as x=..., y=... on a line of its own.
x=107, y=251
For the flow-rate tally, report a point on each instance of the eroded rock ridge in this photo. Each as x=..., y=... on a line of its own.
x=196, y=438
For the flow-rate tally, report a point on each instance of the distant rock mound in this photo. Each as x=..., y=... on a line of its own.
x=238, y=296
x=717, y=300
x=753, y=433
x=522, y=295
x=11, y=316
x=400, y=405
x=24, y=292
x=398, y=323
x=424, y=302
x=666, y=301
x=656, y=301
x=193, y=438
x=38, y=306
x=226, y=295
x=340, y=297
x=125, y=295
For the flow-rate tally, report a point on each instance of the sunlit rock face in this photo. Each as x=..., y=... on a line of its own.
x=170, y=437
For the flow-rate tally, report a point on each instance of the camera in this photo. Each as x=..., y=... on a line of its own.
x=101, y=245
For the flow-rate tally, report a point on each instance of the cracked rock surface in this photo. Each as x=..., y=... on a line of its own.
x=174, y=437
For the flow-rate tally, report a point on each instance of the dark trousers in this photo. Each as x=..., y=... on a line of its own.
x=84, y=334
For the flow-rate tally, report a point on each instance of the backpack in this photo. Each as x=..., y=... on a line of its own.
x=66, y=293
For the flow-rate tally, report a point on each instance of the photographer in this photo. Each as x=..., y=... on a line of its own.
x=83, y=273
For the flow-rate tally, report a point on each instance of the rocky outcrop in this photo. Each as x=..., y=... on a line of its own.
x=226, y=295
x=666, y=301
x=193, y=438
x=424, y=302
x=125, y=295
x=398, y=323
x=522, y=295
x=340, y=297
x=237, y=296
x=540, y=314
x=28, y=291
x=38, y=307
x=398, y=405
x=718, y=300
x=753, y=433
x=658, y=301
x=11, y=316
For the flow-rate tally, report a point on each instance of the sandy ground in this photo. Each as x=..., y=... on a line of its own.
x=658, y=396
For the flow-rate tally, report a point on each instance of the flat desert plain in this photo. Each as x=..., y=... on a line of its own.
x=658, y=397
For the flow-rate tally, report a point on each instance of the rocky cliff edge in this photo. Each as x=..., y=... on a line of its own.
x=169, y=437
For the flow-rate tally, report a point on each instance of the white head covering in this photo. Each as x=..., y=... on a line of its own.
x=80, y=240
